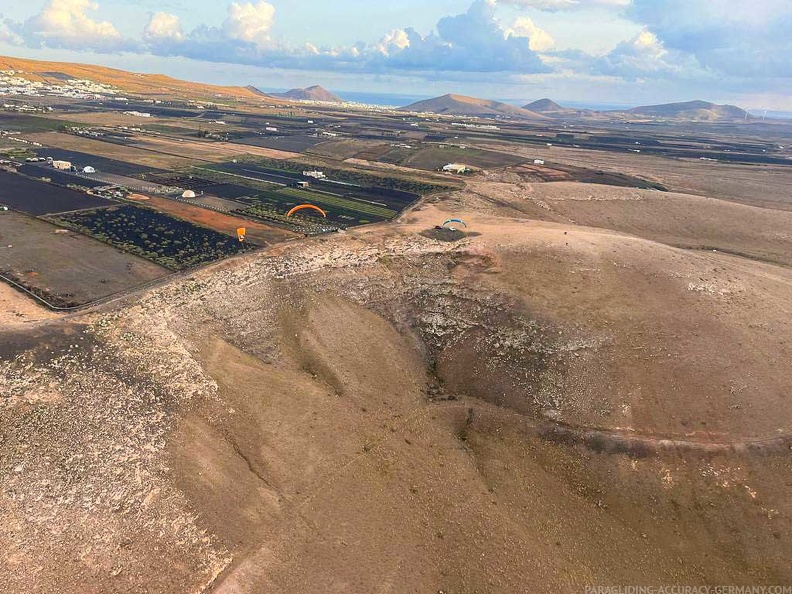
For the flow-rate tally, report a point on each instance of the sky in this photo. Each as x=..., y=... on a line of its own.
x=616, y=52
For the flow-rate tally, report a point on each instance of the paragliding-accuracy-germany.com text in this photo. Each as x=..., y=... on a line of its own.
x=678, y=589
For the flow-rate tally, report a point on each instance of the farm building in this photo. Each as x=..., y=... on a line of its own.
x=89, y=169
x=538, y=162
x=188, y=194
x=315, y=174
x=456, y=168
x=64, y=165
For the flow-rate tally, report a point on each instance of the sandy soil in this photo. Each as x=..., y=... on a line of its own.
x=540, y=405
x=757, y=185
x=257, y=232
x=16, y=308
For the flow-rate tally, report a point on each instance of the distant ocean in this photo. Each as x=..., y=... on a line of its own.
x=398, y=100
x=381, y=98
x=384, y=99
x=771, y=114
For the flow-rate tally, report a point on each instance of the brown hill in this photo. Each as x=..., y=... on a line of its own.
x=692, y=110
x=257, y=91
x=543, y=106
x=445, y=411
x=471, y=106
x=148, y=85
x=314, y=93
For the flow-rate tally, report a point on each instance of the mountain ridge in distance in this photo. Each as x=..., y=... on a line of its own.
x=312, y=93
x=543, y=105
x=453, y=104
x=697, y=110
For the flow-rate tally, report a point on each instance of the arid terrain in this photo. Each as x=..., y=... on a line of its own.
x=585, y=386
x=325, y=348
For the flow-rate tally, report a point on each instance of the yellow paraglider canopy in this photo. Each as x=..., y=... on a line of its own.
x=303, y=206
x=241, y=233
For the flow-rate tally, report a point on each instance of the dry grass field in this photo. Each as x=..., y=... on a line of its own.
x=64, y=267
x=119, y=152
x=756, y=185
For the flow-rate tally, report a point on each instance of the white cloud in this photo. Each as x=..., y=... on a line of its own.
x=8, y=33
x=474, y=41
x=746, y=39
x=394, y=41
x=250, y=22
x=163, y=26
x=645, y=56
x=684, y=44
x=555, y=5
x=66, y=24
x=644, y=45
x=539, y=40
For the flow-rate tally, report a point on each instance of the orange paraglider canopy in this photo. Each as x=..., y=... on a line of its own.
x=302, y=206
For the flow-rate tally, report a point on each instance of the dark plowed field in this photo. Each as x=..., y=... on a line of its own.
x=101, y=164
x=59, y=177
x=37, y=198
x=294, y=144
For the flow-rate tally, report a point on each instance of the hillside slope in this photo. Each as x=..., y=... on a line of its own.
x=471, y=106
x=314, y=93
x=398, y=409
x=153, y=85
x=692, y=110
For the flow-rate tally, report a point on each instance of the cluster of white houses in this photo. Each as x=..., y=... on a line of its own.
x=13, y=82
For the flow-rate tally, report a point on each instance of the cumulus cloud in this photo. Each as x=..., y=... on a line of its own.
x=9, y=32
x=556, y=5
x=393, y=42
x=682, y=40
x=250, y=22
x=747, y=39
x=539, y=40
x=163, y=26
x=66, y=24
x=644, y=56
x=242, y=38
x=474, y=41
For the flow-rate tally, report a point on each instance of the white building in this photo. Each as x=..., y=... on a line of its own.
x=315, y=174
x=188, y=194
x=89, y=169
x=538, y=162
x=64, y=165
x=456, y=168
